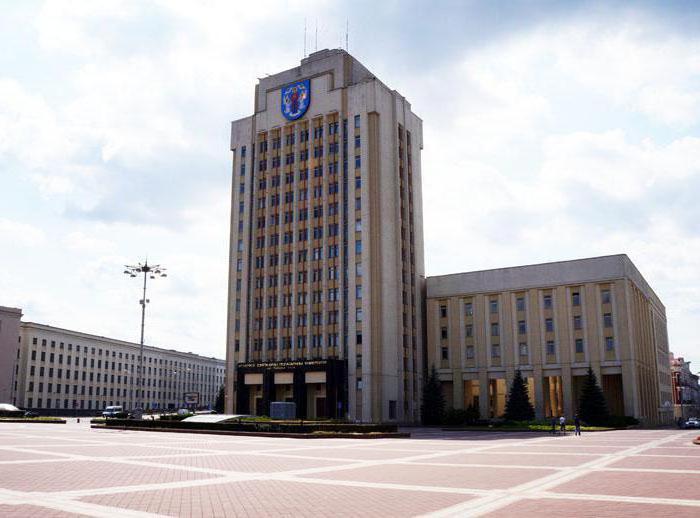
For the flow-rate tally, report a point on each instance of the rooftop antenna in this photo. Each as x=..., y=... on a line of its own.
x=316, y=35
x=304, y=37
x=347, y=31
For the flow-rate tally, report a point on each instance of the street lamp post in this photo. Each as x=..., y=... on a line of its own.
x=151, y=271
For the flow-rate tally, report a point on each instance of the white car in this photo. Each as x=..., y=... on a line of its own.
x=114, y=411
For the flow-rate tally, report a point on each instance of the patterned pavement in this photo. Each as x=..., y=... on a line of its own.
x=73, y=470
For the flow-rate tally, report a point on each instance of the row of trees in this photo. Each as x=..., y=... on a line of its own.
x=593, y=409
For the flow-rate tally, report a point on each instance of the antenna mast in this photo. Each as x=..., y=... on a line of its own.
x=316, y=35
x=347, y=30
x=304, y=37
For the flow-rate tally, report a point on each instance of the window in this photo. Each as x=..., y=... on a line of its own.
x=469, y=330
x=607, y=320
x=443, y=311
x=522, y=348
x=468, y=309
x=358, y=315
x=577, y=322
x=579, y=346
x=358, y=162
x=495, y=351
x=358, y=225
x=550, y=347
x=357, y=121
x=358, y=246
x=547, y=299
x=494, y=329
x=493, y=307
x=520, y=304
x=443, y=333
x=549, y=325
x=445, y=354
x=605, y=296
x=609, y=343
x=469, y=352
x=575, y=299
x=522, y=327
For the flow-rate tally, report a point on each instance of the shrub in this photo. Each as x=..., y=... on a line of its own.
x=621, y=421
x=457, y=417
x=433, y=404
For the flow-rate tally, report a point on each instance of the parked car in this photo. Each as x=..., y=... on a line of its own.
x=115, y=412
x=8, y=410
x=693, y=422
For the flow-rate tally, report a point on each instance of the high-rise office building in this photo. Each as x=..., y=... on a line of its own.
x=326, y=252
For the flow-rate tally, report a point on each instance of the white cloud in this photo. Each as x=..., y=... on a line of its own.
x=612, y=165
x=83, y=242
x=18, y=233
x=634, y=65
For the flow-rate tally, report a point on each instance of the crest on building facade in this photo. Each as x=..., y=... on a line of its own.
x=296, y=99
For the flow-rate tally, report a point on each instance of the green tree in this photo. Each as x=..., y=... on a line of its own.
x=593, y=409
x=433, y=404
x=518, y=406
x=219, y=404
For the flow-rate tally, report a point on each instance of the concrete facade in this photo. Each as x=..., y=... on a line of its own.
x=9, y=335
x=56, y=370
x=326, y=250
x=551, y=321
x=686, y=389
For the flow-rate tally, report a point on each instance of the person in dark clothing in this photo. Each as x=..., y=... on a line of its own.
x=577, y=425
x=554, y=425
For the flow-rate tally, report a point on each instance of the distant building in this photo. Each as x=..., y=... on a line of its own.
x=56, y=370
x=552, y=321
x=686, y=391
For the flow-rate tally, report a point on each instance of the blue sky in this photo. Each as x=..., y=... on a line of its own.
x=553, y=130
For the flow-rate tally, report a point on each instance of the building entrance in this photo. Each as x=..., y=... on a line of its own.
x=317, y=387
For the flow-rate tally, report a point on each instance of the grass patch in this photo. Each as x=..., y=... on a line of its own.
x=44, y=419
x=524, y=426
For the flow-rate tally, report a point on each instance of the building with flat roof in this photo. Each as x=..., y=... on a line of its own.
x=326, y=252
x=686, y=389
x=55, y=370
x=551, y=321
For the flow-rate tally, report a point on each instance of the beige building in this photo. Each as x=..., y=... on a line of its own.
x=54, y=370
x=551, y=321
x=326, y=255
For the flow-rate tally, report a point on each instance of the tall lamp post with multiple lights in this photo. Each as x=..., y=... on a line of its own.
x=148, y=271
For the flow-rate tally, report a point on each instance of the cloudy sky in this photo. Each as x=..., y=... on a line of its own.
x=553, y=130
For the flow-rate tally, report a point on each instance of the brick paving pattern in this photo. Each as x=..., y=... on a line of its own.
x=74, y=470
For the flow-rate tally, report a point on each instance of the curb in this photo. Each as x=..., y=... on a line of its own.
x=42, y=421
x=382, y=435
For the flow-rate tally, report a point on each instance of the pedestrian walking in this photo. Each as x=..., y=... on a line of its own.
x=577, y=425
x=562, y=424
x=554, y=425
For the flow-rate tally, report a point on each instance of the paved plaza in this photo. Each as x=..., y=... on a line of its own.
x=69, y=470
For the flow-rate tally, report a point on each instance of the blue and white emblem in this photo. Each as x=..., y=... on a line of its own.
x=296, y=99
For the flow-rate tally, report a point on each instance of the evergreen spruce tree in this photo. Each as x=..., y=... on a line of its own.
x=433, y=404
x=518, y=406
x=593, y=409
x=219, y=403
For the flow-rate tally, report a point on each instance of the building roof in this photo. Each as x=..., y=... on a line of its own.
x=576, y=271
x=114, y=341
